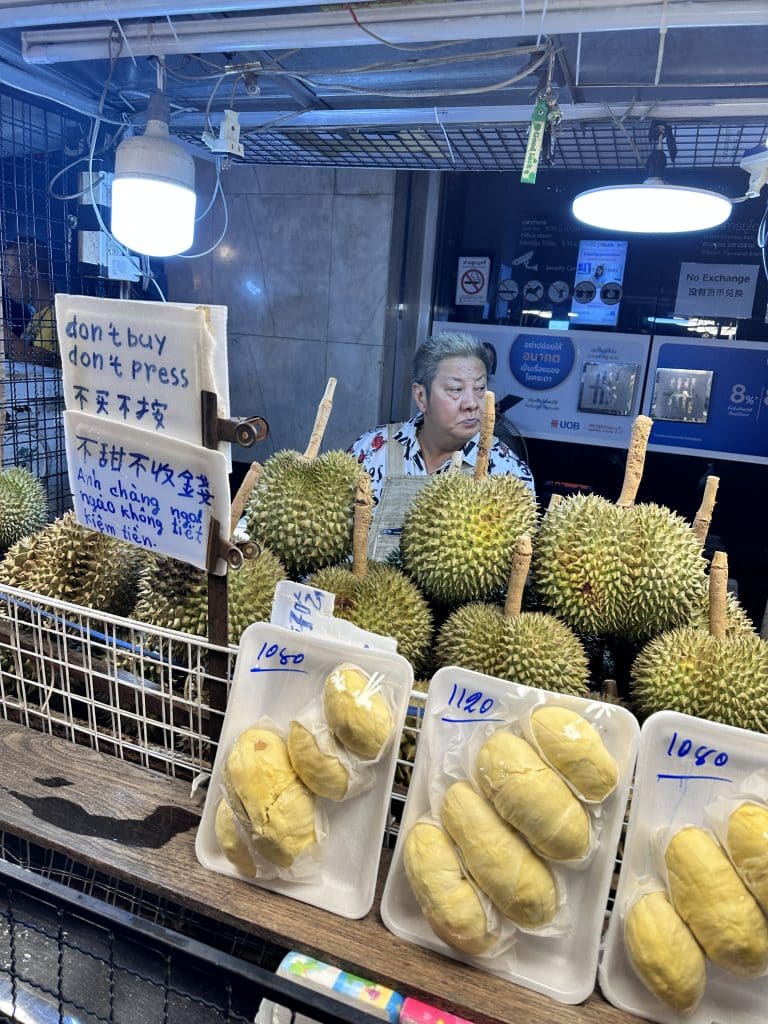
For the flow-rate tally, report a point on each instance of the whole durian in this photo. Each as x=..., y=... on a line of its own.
x=23, y=505
x=377, y=597
x=302, y=505
x=625, y=569
x=73, y=563
x=174, y=595
x=529, y=647
x=459, y=532
x=709, y=674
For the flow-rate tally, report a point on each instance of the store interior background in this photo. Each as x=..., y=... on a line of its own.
x=335, y=262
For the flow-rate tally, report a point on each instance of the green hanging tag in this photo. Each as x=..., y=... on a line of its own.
x=535, y=139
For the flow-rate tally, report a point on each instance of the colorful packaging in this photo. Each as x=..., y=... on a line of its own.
x=366, y=995
x=414, y=1012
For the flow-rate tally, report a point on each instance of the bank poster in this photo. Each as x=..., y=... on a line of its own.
x=578, y=386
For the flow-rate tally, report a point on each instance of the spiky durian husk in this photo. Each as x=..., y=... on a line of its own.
x=174, y=595
x=691, y=671
x=628, y=572
x=736, y=619
x=23, y=505
x=302, y=509
x=578, y=571
x=72, y=563
x=459, y=535
x=383, y=601
x=530, y=648
x=665, y=571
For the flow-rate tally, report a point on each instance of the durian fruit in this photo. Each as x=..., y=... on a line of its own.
x=268, y=798
x=528, y=647
x=302, y=505
x=174, y=595
x=574, y=748
x=706, y=673
x=70, y=562
x=23, y=505
x=447, y=898
x=323, y=773
x=410, y=737
x=459, y=532
x=357, y=715
x=747, y=844
x=664, y=953
x=231, y=843
x=713, y=901
x=377, y=597
x=532, y=798
x=515, y=880
x=625, y=569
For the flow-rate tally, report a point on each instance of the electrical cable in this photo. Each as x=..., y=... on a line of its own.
x=397, y=46
x=196, y=255
x=212, y=200
x=762, y=236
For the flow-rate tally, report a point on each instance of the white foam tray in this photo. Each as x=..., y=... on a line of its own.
x=346, y=876
x=562, y=966
x=671, y=790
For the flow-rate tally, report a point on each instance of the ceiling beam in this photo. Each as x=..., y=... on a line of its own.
x=408, y=24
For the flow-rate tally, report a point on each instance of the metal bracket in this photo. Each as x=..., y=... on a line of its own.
x=234, y=554
x=243, y=430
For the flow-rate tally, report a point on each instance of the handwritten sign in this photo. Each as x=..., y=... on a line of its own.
x=143, y=364
x=692, y=760
x=156, y=492
x=470, y=706
x=298, y=607
x=277, y=658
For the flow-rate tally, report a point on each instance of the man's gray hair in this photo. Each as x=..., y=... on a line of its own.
x=446, y=345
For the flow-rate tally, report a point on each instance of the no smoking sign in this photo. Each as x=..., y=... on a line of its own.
x=472, y=280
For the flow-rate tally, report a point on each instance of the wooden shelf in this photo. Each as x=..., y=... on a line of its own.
x=140, y=827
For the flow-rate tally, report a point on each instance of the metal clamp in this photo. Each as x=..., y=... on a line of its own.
x=243, y=430
x=233, y=553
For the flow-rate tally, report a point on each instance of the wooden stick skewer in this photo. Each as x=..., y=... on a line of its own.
x=703, y=518
x=487, y=424
x=521, y=563
x=362, y=524
x=718, y=594
x=240, y=500
x=321, y=420
x=633, y=471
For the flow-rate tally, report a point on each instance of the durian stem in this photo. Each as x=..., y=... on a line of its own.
x=362, y=524
x=554, y=501
x=704, y=515
x=633, y=472
x=321, y=420
x=456, y=461
x=240, y=500
x=487, y=423
x=718, y=594
x=521, y=563
x=610, y=689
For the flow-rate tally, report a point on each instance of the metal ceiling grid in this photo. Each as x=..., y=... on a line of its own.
x=580, y=146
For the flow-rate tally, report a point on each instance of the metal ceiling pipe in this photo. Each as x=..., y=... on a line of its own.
x=417, y=23
x=21, y=13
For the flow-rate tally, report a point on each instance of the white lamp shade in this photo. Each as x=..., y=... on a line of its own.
x=651, y=208
x=153, y=193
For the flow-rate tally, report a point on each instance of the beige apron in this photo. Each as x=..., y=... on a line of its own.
x=396, y=495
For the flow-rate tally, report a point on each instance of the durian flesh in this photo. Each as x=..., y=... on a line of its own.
x=459, y=535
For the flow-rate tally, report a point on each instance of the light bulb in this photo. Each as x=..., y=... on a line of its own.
x=651, y=208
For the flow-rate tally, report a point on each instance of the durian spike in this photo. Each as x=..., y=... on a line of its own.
x=240, y=500
x=363, y=515
x=321, y=420
x=718, y=594
x=633, y=471
x=704, y=515
x=487, y=423
x=554, y=501
x=521, y=563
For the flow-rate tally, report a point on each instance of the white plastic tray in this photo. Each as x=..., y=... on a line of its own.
x=562, y=966
x=346, y=876
x=684, y=763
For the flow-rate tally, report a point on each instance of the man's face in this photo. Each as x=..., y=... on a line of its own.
x=454, y=404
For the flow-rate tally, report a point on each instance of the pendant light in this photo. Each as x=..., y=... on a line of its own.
x=153, y=191
x=654, y=207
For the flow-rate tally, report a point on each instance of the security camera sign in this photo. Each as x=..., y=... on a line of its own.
x=472, y=280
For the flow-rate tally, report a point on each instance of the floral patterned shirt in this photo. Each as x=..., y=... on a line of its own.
x=371, y=451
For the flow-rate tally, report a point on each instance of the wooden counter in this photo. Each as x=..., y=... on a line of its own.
x=140, y=827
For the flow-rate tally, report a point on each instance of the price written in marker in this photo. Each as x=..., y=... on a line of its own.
x=474, y=705
x=274, y=658
x=696, y=756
